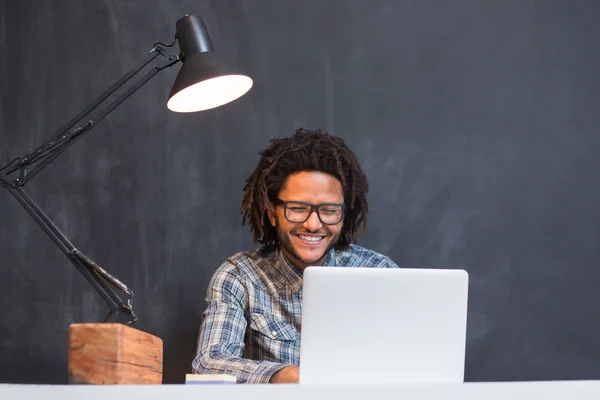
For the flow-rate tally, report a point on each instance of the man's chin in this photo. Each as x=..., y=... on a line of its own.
x=311, y=258
x=307, y=255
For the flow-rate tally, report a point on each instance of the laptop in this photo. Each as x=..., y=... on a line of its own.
x=383, y=325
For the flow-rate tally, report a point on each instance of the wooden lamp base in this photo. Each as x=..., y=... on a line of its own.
x=112, y=354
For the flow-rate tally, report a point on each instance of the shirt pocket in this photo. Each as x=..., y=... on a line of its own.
x=273, y=328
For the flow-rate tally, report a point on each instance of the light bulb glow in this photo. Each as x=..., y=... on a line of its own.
x=210, y=93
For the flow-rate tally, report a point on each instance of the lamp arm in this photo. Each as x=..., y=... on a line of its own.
x=64, y=138
x=56, y=145
x=96, y=276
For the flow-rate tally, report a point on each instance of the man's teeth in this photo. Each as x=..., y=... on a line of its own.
x=311, y=238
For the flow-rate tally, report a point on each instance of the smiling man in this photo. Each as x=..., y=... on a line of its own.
x=306, y=203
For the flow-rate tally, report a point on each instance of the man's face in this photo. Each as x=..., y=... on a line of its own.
x=307, y=243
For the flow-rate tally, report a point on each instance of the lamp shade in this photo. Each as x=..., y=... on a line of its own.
x=204, y=81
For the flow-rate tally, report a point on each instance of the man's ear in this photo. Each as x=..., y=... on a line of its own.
x=271, y=214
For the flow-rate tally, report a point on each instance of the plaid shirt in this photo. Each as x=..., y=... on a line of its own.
x=251, y=326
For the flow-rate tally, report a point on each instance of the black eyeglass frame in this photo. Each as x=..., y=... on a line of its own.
x=313, y=208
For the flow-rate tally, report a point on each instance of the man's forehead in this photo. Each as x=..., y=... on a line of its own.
x=312, y=187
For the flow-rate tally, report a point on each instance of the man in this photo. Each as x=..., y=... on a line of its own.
x=306, y=202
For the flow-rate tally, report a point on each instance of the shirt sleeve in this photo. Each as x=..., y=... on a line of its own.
x=221, y=337
x=388, y=263
x=378, y=260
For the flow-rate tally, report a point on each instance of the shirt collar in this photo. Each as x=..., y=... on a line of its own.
x=294, y=275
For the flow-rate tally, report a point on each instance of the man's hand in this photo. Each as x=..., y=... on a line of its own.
x=289, y=374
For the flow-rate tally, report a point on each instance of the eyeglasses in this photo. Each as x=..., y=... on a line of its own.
x=298, y=211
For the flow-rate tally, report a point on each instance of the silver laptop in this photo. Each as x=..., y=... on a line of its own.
x=383, y=325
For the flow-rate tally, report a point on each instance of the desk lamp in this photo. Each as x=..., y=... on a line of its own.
x=204, y=82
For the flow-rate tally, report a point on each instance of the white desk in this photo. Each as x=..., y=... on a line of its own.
x=571, y=390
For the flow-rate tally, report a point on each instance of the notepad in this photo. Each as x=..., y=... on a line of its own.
x=209, y=379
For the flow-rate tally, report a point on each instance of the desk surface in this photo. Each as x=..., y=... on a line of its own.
x=468, y=391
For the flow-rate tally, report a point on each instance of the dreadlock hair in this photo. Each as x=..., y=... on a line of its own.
x=306, y=150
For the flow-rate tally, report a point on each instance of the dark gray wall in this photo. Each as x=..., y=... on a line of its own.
x=476, y=121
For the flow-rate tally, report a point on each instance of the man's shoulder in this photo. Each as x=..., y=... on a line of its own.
x=247, y=262
x=358, y=256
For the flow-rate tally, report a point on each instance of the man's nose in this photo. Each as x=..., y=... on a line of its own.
x=313, y=222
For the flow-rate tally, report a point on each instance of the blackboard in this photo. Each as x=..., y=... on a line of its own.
x=476, y=122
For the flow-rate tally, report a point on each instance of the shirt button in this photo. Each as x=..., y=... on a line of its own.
x=273, y=333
